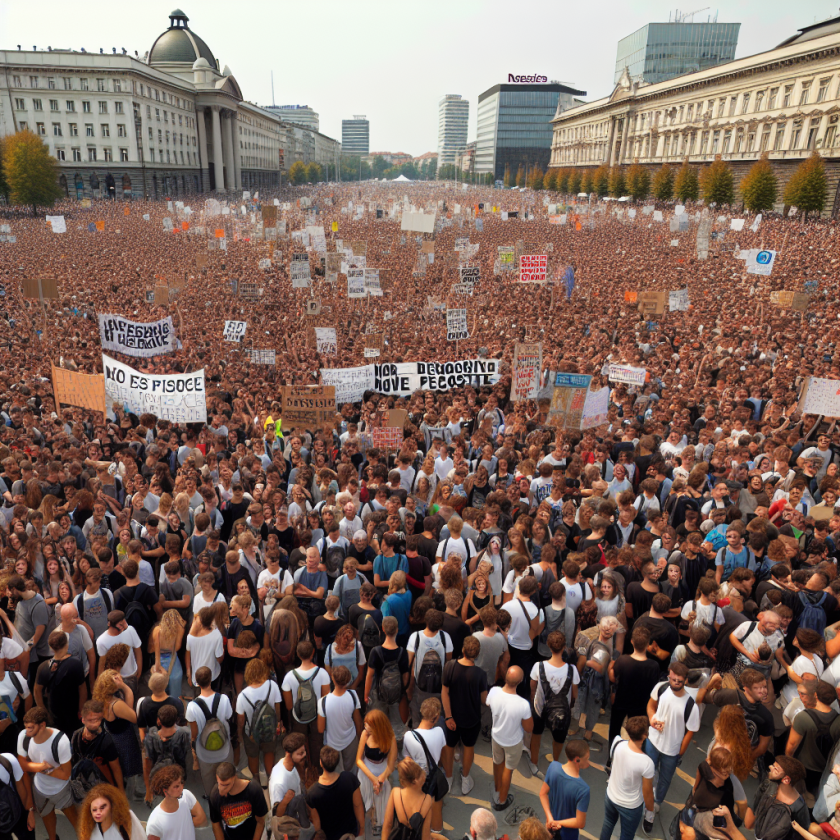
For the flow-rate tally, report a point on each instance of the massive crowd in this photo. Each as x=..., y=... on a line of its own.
x=356, y=620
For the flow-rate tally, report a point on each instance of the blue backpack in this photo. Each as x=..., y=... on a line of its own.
x=813, y=615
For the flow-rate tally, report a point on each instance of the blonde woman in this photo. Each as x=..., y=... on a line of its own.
x=117, y=700
x=167, y=639
x=181, y=506
x=163, y=510
x=409, y=806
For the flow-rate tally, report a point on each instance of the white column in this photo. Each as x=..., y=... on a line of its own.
x=218, y=162
x=227, y=143
x=202, y=144
x=237, y=164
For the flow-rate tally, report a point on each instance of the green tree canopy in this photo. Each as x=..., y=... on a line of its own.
x=535, y=178
x=617, y=182
x=550, y=180
x=759, y=186
x=638, y=182
x=587, y=181
x=574, y=183
x=718, y=183
x=663, y=183
x=31, y=172
x=600, y=181
x=808, y=188
x=520, y=176
x=686, y=184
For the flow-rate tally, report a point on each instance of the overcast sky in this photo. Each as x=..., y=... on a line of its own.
x=389, y=61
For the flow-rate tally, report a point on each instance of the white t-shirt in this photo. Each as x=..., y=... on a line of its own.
x=37, y=753
x=509, y=710
x=754, y=641
x=519, y=633
x=628, y=769
x=251, y=696
x=282, y=780
x=16, y=769
x=180, y=824
x=10, y=649
x=435, y=742
x=802, y=665
x=456, y=546
x=195, y=715
x=204, y=650
x=440, y=642
x=708, y=614
x=128, y=637
x=556, y=679
x=282, y=580
x=200, y=602
x=671, y=711
x=338, y=711
x=290, y=684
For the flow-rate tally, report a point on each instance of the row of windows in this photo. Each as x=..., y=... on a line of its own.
x=69, y=106
x=190, y=160
x=108, y=155
x=73, y=129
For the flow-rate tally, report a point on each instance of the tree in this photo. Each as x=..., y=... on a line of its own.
x=432, y=168
x=562, y=183
x=489, y=180
x=4, y=186
x=297, y=173
x=663, y=183
x=379, y=166
x=759, y=186
x=686, y=183
x=601, y=181
x=807, y=189
x=520, y=176
x=718, y=183
x=550, y=180
x=586, y=180
x=638, y=182
x=314, y=173
x=535, y=178
x=573, y=186
x=30, y=171
x=617, y=183
x=507, y=180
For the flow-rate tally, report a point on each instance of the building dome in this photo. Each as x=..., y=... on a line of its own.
x=179, y=44
x=201, y=63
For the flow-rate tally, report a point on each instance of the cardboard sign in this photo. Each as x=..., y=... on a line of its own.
x=313, y=307
x=533, y=268
x=373, y=345
x=161, y=295
x=249, y=291
x=652, y=303
x=394, y=418
x=387, y=437
x=527, y=366
x=456, y=325
x=269, y=215
x=79, y=389
x=308, y=405
x=201, y=261
x=568, y=400
x=820, y=396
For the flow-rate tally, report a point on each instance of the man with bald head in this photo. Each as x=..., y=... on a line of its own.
x=511, y=720
x=79, y=640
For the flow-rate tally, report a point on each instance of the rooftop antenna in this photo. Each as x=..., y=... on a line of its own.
x=273, y=103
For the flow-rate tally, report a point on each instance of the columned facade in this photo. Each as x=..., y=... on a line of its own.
x=230, y=167
x=200, y=116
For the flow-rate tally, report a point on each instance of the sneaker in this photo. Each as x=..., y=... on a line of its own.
x=647, y=823
x=503, y=806
x=535, y=770
x=467, y=784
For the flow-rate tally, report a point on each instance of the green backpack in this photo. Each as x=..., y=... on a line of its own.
x=263, y=724
x=214, y=736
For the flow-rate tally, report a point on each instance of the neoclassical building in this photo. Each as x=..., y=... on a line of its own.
x=785, y=102
x=172, y=123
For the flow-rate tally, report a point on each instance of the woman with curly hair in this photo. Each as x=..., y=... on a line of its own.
x=180, y=813
x=105, y=815
x=117, y=700
x=730, y=728
x=376, y=759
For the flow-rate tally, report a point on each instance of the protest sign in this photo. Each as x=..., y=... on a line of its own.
x=532, y=268
x=313, y=307
x=359, y=248
x=761, y=262
x=678, y=300
x=469, y=276
x=506, y=254
x=736, y=224
x=595, y=409
x=427, y=246
x=652, y=303
x=387, y=437
x=527, y=366
x=235, y=331
x=372, y=286
x=261, y=357
x=461, y=242
x=249, y=291
x=625, y=373
x=299, y=271
x=161, y=296
x=269, y=215
x=57, y=224
x=356, y=283
x=373, y=345
x=308, y=405
x=349, y=384
x=568, y=400
x=420, y=222
x=704, y=230
x=630, y=297
x=86, y=203
x=150, y=296
x=456, y=325
x=178, y=397
x=264, y=264
x=820, y=396
x=79, y=389
x=201, y=261
x=136, y=339
x=332, y=266
x=325, y=340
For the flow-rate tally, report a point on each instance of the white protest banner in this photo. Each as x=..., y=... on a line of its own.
x=625, y=373
x=595, y=409
x=299, y=270
x=657, y=215
x=678, y=301
x=325, y=341
x=755, y=225
x=469, y=275
x=527, y=365
x=761, y=263
x=136, y=339
x=333, y=266
x=57, y=224
x=461, y=242
x=178, y=397
x=235, y=330
x=456, y=325
x=420, y=222
x=356, y=283
x=261, y=357
x=820, y=396
x=372, y=286
x=533, y=268
x=265, y=263
x=568, y=400
x=736, y=224
x=349, y=383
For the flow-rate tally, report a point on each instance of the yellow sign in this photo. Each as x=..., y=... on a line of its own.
x=335, y=227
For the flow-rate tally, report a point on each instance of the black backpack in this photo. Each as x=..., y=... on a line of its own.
x=430, y=676
x=370, y=634
x=85, y=773
x=137, y=616
x=333, y=557
x=11, y=808
x=688, y=706
x=823, y=739
x=556, y=714
x=390, y=685
x=773, y=819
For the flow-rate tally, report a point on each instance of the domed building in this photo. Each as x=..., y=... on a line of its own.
x=170, y=124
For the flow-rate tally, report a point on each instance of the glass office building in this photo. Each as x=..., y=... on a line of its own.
x=660, y=51
x=355, y=136
x=513, y=125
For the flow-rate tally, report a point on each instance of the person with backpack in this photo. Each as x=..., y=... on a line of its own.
x=367, y=619
x=285, y=783
x=94, y=603
x=138, y=601
x=564, y=795
x=237, y=806
x=258, y=717
x=95, y=758
x=388, y=562
x=302, y=688
x=17, y=808
x=454, y=626
x=46, y=753
x=119, y=632
x=62, y=680
x=553, y=695
x=428, y=650
x=205, y=647
x=348, y=586
x=674, y=718
x=387, y=673
x=456, y=543
x=778, y=809
x=554, y=614
x=333, y=549
x=32, y=618
x=463, y=693
x=208, y=716
x=527, y=622
x=408, y=814
x=348, y=651
x=311, y=585
x=758, y=643
x=340, y=718
x=165, y=744
x=734, y=555
x=815, y=730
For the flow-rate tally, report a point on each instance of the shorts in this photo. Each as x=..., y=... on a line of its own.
x=467, y=735
x=539, y=727
x=46, y=804
x=509, y=755
x=253, y=749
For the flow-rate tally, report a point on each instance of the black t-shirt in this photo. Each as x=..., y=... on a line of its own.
x=325, y=629
x=113, y=580
x=235, y=628
x=357, y=611
x=238, y=812
x=230, y=514
x=466, y=684
x=458, y=630
x=142, y=592
x=664, y=634
x=334, y=804
x=148, y=711
x=61, y=680
x=286, y=537
x=639, y=598
x=634, y=682
x=418, y=568
x=758, y=717
x=100, y=750
x=428, y=548
x=380, y=657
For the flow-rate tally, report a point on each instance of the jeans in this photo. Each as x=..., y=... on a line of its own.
x=630, y=819
x=666, y=765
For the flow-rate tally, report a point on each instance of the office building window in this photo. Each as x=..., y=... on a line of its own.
x=796, y=135
x=89, y=130
x=727, y=136
x=51, y=83
x=771, y=102
x=123, y=155
x=85, y=107
x=59, y=154
x=74, y=130
x=160, y=136
x=103, y=107
x=765, y=138
x=151, y=134
x=118, y=108
x=37, y=105
x=167, y=156
x=715, y=142
x=91, y=154
x=106, y=130
x=759, y=98
x=152, y=155
x=157, y=114
x=831, y=134
x=70, y=106
x=108, y=156
x=121, y=132
x=20, y=104
x=53, y=104
x=822, y=93
x=22, y=125
x=68, y=83
x=83, y=84
x=117, y=86
x=780, y=136
x=100, y=84
x=16, y=81
x=33, y=81
x=40, y=129
x=56, y=129
x=787, y=96
x=745, y=103
x=804, y=93
x=813, y=128
x=77, y=155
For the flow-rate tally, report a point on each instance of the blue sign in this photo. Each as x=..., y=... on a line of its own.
x=652, y=326
x=764, y=257
x=571, y=380
x=569, y=280
x=812, y=285
x=91, y=227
